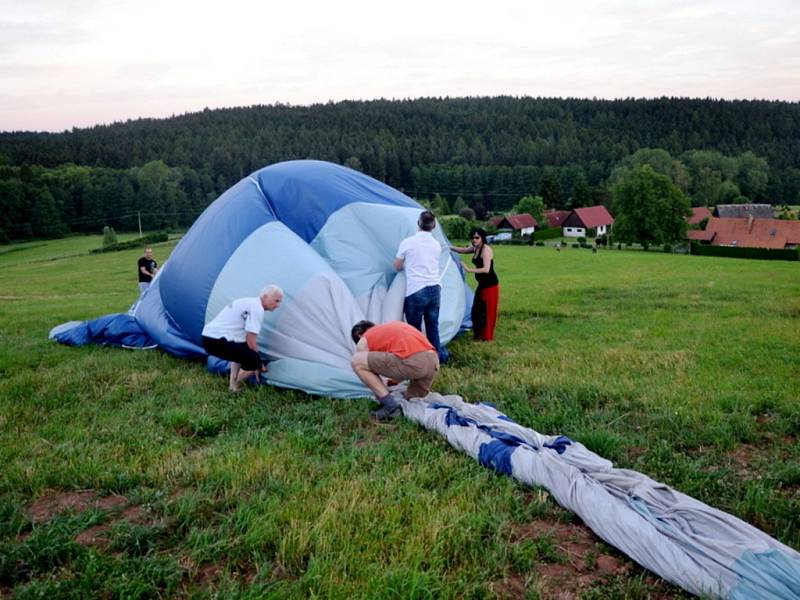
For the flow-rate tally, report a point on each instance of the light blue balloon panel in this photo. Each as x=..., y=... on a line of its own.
x=328, y=236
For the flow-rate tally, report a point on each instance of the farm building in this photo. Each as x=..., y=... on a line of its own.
x=749, y=232
x=738, y=211
x=581, y=220
x=524, y=224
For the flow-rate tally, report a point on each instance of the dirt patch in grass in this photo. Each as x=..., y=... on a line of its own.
x=209, y=574
x=94, y=536
x=54, y=503
x=742, y=459
x=97, y=535
x=585, y=564
x=512, y=588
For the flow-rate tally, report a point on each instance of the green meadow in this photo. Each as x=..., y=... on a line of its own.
x=134, y=474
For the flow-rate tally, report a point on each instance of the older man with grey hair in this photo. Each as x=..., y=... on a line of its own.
x=233, y=333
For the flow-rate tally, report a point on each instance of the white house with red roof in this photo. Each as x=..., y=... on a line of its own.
x=580, y=220
x=525, y=224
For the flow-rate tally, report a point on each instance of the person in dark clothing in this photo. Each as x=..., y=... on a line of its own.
x=487, y=295
x=147, y=270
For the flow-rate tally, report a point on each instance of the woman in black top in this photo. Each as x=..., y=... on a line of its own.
x=487, y=296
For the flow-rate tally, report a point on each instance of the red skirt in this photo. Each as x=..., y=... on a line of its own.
x=484, y=312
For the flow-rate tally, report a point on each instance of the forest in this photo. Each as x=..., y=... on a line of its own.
x=487, y=152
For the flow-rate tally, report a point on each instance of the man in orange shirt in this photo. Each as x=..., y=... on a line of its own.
x=398, y=351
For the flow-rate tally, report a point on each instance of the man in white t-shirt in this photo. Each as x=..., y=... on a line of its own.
x=419, y=255
x=233, y=334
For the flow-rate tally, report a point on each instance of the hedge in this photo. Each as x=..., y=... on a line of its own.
x=141, y=242
x=738, y=252
x=547, y=234
x=455, y=227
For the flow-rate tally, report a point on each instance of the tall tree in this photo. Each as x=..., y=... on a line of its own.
x=649, y=209
x=533, y=205
x=551, y=190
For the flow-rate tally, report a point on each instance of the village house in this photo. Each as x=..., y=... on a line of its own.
x=748, y=232
x=581, y=220
x=523, y=224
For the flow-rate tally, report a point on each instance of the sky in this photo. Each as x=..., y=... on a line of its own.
x=67, y=63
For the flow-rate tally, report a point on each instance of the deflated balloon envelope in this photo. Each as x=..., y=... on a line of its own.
x=328, y=236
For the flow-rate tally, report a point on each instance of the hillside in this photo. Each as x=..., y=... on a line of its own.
x=489, y=151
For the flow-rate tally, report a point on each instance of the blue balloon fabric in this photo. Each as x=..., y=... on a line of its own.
x=324, y=233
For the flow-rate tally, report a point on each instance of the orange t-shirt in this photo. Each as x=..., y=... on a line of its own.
x=398, y=338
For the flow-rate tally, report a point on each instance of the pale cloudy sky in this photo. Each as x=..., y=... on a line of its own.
x=76, y=63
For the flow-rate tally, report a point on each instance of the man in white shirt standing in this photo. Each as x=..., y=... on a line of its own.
x=419, y=255
x=233, y=334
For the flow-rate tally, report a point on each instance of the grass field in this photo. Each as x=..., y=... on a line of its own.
x=134, y=474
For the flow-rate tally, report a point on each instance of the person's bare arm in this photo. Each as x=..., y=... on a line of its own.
x=251, y=340
x=487, y=255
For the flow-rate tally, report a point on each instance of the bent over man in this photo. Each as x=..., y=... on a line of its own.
x=398, y=351
x=233, y=334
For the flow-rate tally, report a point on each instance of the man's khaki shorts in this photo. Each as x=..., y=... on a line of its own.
x=420, y=368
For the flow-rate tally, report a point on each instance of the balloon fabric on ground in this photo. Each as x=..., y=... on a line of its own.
x=699, y=548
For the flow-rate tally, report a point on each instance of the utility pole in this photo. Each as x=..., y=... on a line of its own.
x=139, y=214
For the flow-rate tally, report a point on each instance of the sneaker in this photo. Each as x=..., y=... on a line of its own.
x=386, y=413
x=389, y=409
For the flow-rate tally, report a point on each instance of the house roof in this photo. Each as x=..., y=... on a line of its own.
x=700, y=235
x=517, y=222
x=735, y=211
x=495, y=221
x=698, y=214
x=751, y=233
x=592, y=216
x=555, y=218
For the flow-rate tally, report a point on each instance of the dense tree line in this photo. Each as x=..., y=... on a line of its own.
x=41, y=202
x=488, y=151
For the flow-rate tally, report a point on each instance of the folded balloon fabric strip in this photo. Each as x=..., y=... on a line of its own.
x=699, y=548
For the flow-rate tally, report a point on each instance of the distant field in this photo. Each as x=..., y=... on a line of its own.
x=134, y=474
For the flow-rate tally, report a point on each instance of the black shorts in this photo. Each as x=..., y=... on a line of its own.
x=238, y=352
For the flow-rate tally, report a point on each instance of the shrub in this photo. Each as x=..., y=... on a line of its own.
x=576, y=245
x=455, y=227
x=467, y=213
x=668, y=248
x=547, y=234
x=581, y=240
x=734, y=252
x=540, y=243
x=109, y=236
